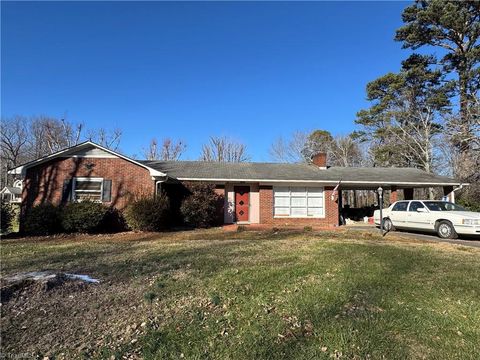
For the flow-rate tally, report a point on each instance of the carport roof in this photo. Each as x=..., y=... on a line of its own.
x=351, y=177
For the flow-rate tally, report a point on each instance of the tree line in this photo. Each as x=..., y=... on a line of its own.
x=426, y=115
x=23, y=139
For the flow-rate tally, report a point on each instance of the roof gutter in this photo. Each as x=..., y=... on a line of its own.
x=352, y=182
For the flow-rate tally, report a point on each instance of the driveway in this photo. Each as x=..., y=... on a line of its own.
x=470, y=241
x=474, y=242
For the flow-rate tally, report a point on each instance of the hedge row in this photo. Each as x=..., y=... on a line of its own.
x=6, y=218
x=198, y=209
x=84, y=217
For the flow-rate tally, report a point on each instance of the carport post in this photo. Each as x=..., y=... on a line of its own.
x=341, y=220
x=448, y=191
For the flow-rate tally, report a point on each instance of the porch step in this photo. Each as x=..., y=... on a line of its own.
x=260, y=227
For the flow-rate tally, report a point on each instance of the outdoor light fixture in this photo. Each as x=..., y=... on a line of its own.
x=380, y=191
x=380, y=204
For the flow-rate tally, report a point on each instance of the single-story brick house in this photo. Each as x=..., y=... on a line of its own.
x=253, y=193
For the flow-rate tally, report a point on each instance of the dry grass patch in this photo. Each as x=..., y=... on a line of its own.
x=263, y=294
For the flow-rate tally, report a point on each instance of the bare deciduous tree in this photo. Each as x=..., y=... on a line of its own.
x=168, y=150
x=345, y=151
x=14, y=139
x=13, y=144
x=223, y=149
x=340, y=150
x=106, y=138
x=48, y=135
x=418, y=135
x=465, y=164
x=24, y=139
x=290, y=151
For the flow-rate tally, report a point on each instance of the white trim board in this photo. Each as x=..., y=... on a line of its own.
x=20, y=170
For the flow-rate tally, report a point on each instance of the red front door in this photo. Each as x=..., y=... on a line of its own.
x=242, y=202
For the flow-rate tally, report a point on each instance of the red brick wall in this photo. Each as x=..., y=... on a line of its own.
x=393, y=195
x=44, y=183
x=266, y=211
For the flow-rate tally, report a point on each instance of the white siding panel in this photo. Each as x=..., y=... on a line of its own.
x=92, y=152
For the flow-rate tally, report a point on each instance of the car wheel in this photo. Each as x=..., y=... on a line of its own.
x=387, y=225
x=445, y=230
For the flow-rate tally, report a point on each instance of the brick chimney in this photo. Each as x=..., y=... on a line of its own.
x=320, y=160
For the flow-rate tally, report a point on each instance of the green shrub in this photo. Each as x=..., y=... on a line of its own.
x=469, y=204
x=7, y=216
x=42, y=220
x=113, y=221
x=149, y=214
x=83, y=217
x=200, y=208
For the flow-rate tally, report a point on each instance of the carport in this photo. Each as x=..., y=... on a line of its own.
x=357, y=187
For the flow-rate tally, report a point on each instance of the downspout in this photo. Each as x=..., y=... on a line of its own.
x=159, y=182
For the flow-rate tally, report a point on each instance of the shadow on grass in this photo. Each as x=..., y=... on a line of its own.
x=366, y=311
x=127, y=259
x=358, y=316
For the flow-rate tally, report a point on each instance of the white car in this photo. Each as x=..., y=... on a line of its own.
x=445, y=218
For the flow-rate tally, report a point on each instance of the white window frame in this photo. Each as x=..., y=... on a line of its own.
x=275, y=189
x=92, y=179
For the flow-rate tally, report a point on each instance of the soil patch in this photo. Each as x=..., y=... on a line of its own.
x=32, y=283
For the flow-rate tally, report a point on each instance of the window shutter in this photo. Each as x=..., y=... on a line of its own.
x=67, y=190
x=107, y=191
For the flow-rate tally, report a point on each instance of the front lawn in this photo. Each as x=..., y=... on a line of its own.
x=246, y=295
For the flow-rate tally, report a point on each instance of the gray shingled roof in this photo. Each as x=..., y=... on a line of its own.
x=294, y=172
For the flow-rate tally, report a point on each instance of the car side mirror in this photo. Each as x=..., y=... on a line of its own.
x=422, y=210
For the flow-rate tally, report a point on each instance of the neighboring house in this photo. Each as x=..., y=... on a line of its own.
x=265, y=193
x=12, y=194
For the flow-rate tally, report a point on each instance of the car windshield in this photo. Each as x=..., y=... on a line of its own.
x=442, y=206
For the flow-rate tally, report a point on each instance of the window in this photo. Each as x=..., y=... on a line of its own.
x=298, y=202
x=400, y=206
x=87, y=189
x=414, y=205
x=443, y=206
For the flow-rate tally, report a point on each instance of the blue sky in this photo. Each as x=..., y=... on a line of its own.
x=253, y=71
